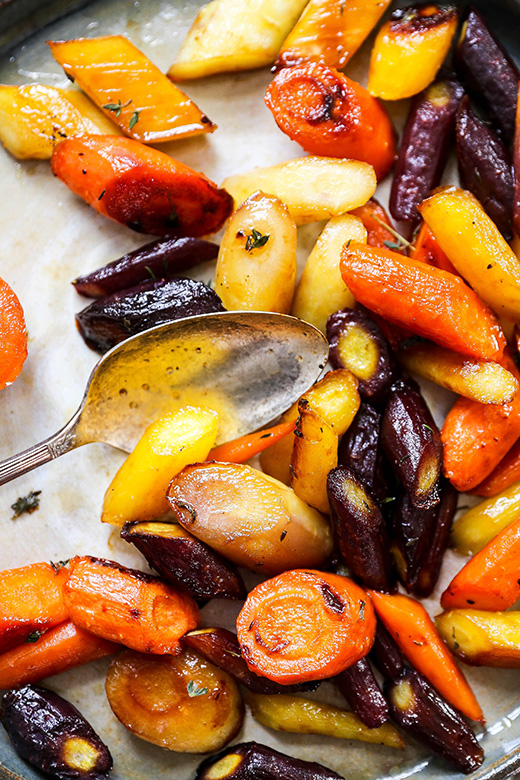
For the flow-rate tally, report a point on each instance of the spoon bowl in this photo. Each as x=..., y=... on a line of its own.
x=247, y=366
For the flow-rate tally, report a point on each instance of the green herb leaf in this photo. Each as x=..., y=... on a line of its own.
x=57, y=566
x=455, y=643
x=405, y=457
x=134, y=119
x=194, y=690
x=34, y=637
x=362, y=610
x=255, y=240
x=116, y=107
x=402, y=241
x=173, y=218
x=428, y=427
x=388, y=499
x=392, y=245
x=151, y=272
x=28, y=503
x=101, y=194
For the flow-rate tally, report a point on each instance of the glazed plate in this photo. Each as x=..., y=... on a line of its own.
x=47, y=238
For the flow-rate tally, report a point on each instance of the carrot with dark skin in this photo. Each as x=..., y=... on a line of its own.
x=31, y=600
x=428, y=301
x=305, y=625
x=372, y=214
x=491, y=579
x=242, y=449
x=140, y=187
x=58, y=649
x=426, y=248
x=477, y=436
x=414, y=631
x=127, y=606
x=503, y=476
x=332, y=116
x=13, y=335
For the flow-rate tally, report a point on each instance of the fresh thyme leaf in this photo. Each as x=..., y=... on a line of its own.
x=388, y=500
x=455, y=643
x=34, y=637
x=412, y=541
x=116, y=107
x=57, y=566
x=266, y=435
x=405, y=457
x=28, y=503
x=362, y=610
x=402, y=241
x=428, y=427
x=151, y=272
x=173, y=218
x=256, y=239
x=133, y=119
x=101, y=194
x=392, y=245
x=194, y=690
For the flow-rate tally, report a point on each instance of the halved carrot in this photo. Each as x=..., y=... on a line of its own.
x=242, y=449
x=503, y=476
x=374, y=218
x=427, y=249
x=415, y=633
x=13, y=335
x=58, y=649
x=305, y=625
x=141, y=187
x=491, y=579
x=476, y=436
x=31, y=599
x=431, y=302
x=127, y=606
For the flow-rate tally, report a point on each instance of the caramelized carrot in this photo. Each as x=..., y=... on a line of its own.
x=477, y=436
x=332, y=116
x=491, y=579
x=415, y=633
x=242, y=449
x=503, y=476
x=31, y=599
x=431, y=302
x=13, y=336
x=374, y=218
x=142, y=188
x=426, y=248
x=127, y=606
x=305, y=625
x=58, y=649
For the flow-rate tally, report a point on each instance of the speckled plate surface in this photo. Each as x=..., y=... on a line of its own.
x=48, y=237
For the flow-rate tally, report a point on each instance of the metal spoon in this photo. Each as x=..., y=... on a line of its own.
x=248, y=366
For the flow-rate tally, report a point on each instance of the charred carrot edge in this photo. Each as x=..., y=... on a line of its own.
x=503, y=476
x=242, y=449
x=476, y=436
x=13, y=335
x=31, y=599
x=374, y=218
x=338, y=629
x=415, y=633
x=439, y=305
x=127, y=606
x=58, y=649
x=427, y=249
x=489, y=580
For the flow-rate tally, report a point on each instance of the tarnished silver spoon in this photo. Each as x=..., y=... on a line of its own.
x=248, y=366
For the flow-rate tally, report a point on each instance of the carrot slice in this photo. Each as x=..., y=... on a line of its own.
x=427, y=249
x=374, y=218
x=141, y=187
x=491, y=579
x=503, y=476
x=476, y=436
x=60, y=648
x=305, y=625
x=127, y=606
x=332, y=116
x=31, y=599
x=431, y=302
x=415, y=633
x=13, y=335
x=242, y=449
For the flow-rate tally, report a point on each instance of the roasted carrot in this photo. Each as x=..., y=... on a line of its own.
x=13, y=336
x=31, y=600
x=305, y=625
x=477, y=436
x=142, y=188
x=491, y=579
x=58, y=649
x=431, y=302
x=332, y=116
x=242, y=449
x=503, y=476
x=374, y=218
x=412, y=628
x=127, y=606
x=426, y=248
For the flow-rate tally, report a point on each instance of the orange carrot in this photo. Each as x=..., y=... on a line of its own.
x=140, y=187
x=13, y=336
x=31, y=599
x=503, y=476
x=476, y=436
x=491, y=579
x=240, y=450
x=372, y=214
x=431, y=302
x=58, y=649
x=331, y=115
x=415, y=633
x=305, y=625
x=427, y=249
x=127, y=606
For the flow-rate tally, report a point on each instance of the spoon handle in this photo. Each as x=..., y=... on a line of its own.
x=35, y=456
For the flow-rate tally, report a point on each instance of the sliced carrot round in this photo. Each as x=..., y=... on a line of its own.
x=305, y=625
x=13, y=336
